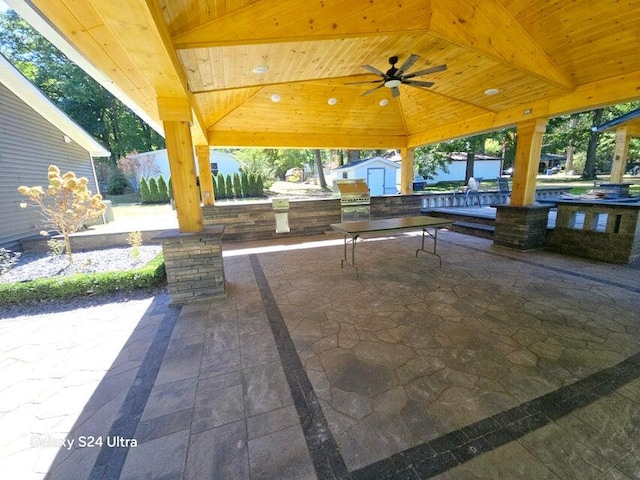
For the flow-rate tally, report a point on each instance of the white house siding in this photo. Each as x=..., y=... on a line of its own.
x=28, y=145
x=487, y=169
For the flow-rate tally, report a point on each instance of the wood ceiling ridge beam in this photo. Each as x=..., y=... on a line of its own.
x=488, y=28
x=270, y=21
x=206, y=42
x=289, y=82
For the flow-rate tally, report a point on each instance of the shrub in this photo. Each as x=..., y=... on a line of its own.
x=260, y=186
x=154, y=193
x=144, y=190
x=135, y=240
x=228, y=186
x=67, y=205
x=149, y=276
x=7, y=259
x=170, y=189
x=244, y=183
x=56, y=247
x=221, y=190
x=117, y=183
x=163, y=190
x=237, y=187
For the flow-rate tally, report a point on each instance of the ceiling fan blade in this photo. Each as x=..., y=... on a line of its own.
x=372, y=90
x=362, y=83
x=407, y=64
x=438, y=68
x=395, y=91
x=373, y=70
x=418, y=83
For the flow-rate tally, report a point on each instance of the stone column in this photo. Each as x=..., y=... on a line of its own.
x=195, y=270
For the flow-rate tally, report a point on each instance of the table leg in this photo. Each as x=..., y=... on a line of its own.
x=353, y=242
x=435, y=243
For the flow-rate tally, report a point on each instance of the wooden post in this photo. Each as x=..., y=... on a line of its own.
x=620, y=155
x=206, y=181
x=406, y=170
x=525, y=168
x=175, y=114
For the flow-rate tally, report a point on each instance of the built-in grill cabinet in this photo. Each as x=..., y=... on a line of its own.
x=355, y=200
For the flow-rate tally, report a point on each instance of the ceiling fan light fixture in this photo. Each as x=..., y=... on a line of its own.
x=394, y=82
x=384, y=102
x=261, y=69
x=332, y=101
x=275, y=98
x=491, y=91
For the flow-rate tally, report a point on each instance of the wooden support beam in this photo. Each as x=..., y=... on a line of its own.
x=620, y=154
x=303, y=140
x=406, y=170
x=183, y=176
x=206, y=181
x=525, y=168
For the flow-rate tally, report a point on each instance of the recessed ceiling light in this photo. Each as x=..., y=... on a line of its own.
x=491, y=91
x=332, y=101
x=384, y=102
x=261, y=69
x=275, y=98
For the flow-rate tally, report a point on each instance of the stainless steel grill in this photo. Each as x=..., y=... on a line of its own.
x=355, y=200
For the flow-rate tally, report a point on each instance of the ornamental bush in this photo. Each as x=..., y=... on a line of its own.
x=220, y=191
x=144, y=190
x=228, y=186
x=237, y=186
x=67, y=204
x=163, y=190
x=154, y=193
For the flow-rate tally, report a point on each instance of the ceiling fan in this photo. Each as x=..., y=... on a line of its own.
x=394, y=77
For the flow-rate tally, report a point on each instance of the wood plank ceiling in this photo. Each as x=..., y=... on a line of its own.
x=545, y=58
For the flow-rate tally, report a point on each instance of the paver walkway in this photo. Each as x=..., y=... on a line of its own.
x=498, y=365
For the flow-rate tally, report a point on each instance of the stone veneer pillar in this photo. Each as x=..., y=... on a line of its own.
x=521, y=227
x=193, y=260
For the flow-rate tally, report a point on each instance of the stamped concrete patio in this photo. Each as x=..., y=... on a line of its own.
x=498, y=365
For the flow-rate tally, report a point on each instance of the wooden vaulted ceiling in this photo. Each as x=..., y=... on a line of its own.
x=546, y=58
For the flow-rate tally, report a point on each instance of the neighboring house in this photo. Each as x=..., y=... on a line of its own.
x=484, y=166
x=156, y=163
x=379, y=173
x=34, y=134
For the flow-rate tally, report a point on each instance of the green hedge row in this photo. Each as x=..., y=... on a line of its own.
x=151, y=275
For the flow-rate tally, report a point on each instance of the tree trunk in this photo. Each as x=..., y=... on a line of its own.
x=321, y=179
x=589, y=172
x=353, y=155
x=469, y=172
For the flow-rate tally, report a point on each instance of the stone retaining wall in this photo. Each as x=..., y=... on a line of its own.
x=608, y=232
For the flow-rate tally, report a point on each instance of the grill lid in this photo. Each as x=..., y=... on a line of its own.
x=353, y=187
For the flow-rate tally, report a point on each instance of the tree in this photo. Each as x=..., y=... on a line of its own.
x=163, y=190
x=244, y=184
x=320, y=169
x=144, y=190
x=73, y=91
x=237, y=186
x=228, y=186
x=154, y=193
x=67, y=204
x=220, y=190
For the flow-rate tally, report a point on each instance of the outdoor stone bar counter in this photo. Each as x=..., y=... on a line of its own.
x=599, y=230
x=195, y=270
